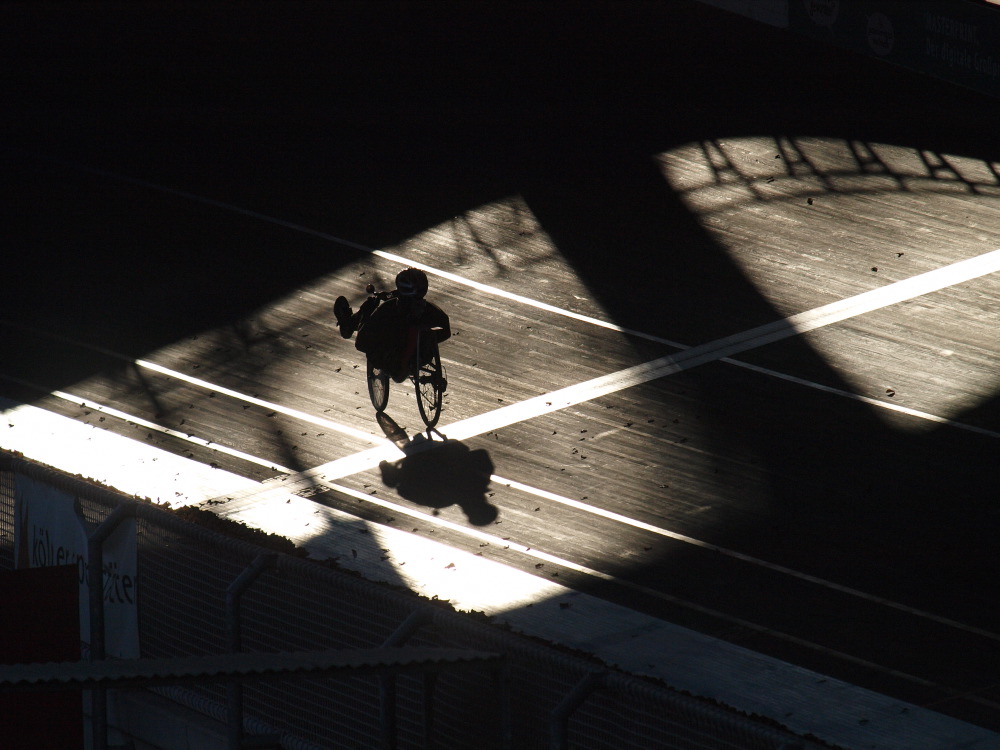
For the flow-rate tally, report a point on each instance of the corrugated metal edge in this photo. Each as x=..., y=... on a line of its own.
x=79, y=675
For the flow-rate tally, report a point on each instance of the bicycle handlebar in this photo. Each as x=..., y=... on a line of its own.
x=383, y=296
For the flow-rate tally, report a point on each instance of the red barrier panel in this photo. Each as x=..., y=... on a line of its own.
x=40, y=622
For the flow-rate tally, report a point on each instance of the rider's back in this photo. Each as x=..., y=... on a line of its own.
x=386, y=326
x=385, y=333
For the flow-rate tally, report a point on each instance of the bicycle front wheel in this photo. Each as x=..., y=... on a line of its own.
x=378, y=387
x=430, y=384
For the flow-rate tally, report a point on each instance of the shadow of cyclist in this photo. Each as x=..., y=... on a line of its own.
x=438, y=474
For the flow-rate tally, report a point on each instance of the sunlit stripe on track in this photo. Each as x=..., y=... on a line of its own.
x=356, y=463
x=899, y=291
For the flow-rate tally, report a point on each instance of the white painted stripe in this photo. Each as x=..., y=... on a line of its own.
x=505, y=544
x=728, y=346
x=187, y=437
x=294, y=413
x=301, y=229
x=865, y=399
x=636, y=524
x=537, y=304
x=278, y=490
x=915, y=286
x=964, y=270
x=357, y=463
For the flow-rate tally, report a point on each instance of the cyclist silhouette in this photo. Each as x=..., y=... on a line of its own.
x=387, y=332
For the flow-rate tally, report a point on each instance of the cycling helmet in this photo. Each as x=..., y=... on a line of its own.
x=411, y=283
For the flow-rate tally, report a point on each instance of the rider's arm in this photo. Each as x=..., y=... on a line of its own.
x=437, y=320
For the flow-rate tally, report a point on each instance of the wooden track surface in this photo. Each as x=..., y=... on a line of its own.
x=675, y=172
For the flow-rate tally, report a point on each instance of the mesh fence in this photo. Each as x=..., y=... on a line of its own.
x=299, y=605
x=6, y=520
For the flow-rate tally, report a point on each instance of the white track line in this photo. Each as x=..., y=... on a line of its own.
x=728, y=346
x=282, y=489
x=505, y=544
x=186, y=437
x=634, y=523
x=865, y=399
x=483, y=288
x=294, y=413
x=720, y=349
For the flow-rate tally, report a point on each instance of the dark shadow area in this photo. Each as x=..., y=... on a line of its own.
x=376, y=121
x=34, y=635
x=439, y=473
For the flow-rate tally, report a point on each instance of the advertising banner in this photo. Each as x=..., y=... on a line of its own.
x=955, y=40
x=50, y=530
x=773, y=12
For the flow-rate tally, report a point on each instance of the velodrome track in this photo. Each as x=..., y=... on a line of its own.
x=730, y=362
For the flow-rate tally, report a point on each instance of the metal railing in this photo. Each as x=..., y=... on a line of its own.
x=203, y=594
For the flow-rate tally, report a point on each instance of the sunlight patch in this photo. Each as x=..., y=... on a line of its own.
x=780, y=189
x=722, y=173
x=128, y=465
x=469, y=582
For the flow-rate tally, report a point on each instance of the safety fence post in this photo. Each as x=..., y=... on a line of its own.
x=503, y=681
x=234, y=630
x=387, y=684
x=559, y=720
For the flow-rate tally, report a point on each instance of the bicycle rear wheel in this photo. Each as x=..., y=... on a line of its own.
x=378, y=387
x=430, y=385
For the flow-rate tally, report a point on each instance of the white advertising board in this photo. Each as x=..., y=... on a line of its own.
x=50, y=530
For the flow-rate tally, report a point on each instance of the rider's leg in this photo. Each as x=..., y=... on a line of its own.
x=349, y=321
x=400, y=370
x=406, y=356
x=390, y=364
